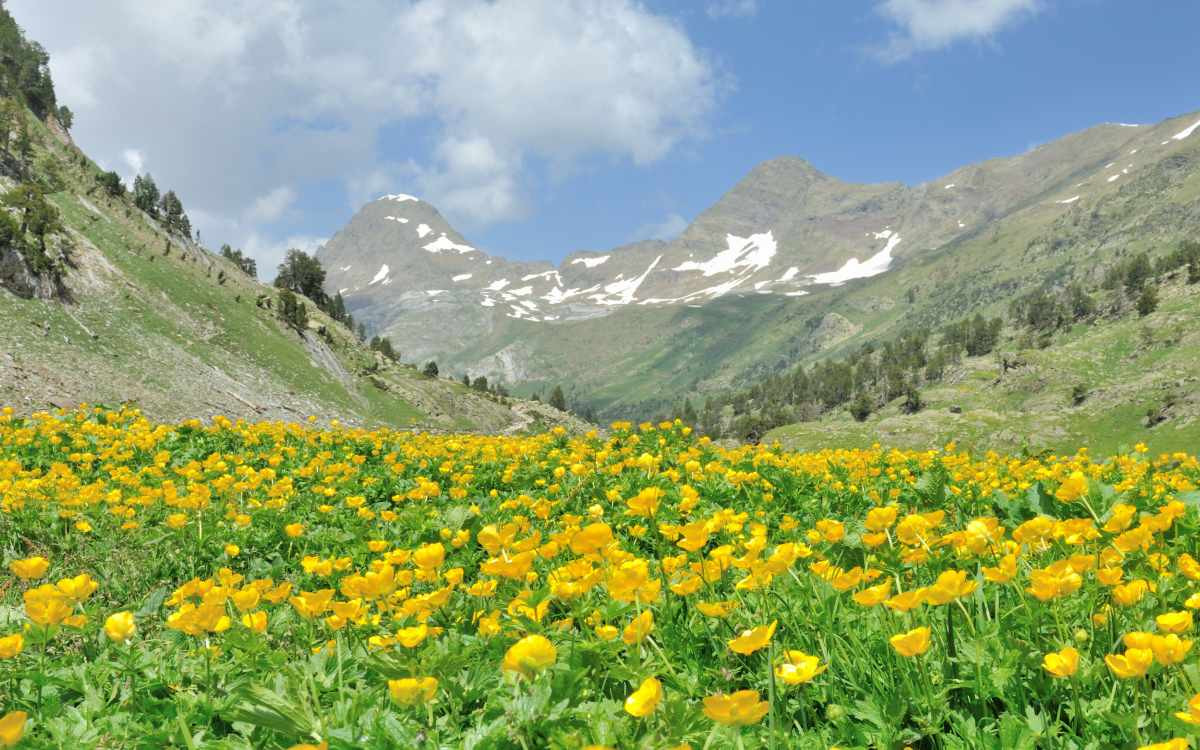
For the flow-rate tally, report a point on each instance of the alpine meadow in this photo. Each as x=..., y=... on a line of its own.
x=488, y=374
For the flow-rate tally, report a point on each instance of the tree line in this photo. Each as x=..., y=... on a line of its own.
x=878, y=373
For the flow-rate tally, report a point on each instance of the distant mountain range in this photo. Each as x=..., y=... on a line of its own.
x=764, y=277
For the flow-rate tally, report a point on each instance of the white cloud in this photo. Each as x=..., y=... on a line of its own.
x=926, y=25
x=235, y=99
x=270, y=206
x=667, y=229
x=135, y=160
x=731, y=8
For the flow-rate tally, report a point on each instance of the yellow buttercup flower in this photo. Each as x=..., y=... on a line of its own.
x=1178, y=743
x=1174, y=622
x=753, y=639
x=638, y=628
x=645, y=699
x=12, y=727
x=799, y=668
x=11, y=645
x=1061, y=663
x=410, y=691
x=531, y=654
x=1072, y=488
x=738, y=709
x=120, y=627
x=913, y=643
x=29, y=568
x=1134, y=663
x=1192, y=714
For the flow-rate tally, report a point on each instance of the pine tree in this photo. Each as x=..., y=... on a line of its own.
x=1147, y=301
x=557, y=399
x=431, y=369
x=145, y=194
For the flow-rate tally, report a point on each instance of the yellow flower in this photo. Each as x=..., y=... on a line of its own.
x=739, y=709
x=1192, y=714
x=79, y=588
x=29, y=568
x=11, y=645
x=1135, y=662
x=256, y=621
x=1178, y=743
x=412, y=637
x=1072, y=488
x=754, y=639
x=644, y=503
x=120, y=627
x=607, y=632
x=429, y=556
x=233, y=550
x=799, y=668
x=1169, y=649
x=949, y=586
x=46, y=605
x=905, y=601
x=1174, y=622
x=638, y=628
x=410, y=691
x=294, y=529
x=913, y=643
x=1061, y=663
x=533, y=653
x=177, y=520
x=12, y=727
x=645, y=699
x=873, y=595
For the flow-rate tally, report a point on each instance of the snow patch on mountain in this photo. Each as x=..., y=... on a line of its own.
x=383, y=272
x=590, y=262
x=445, y=243
x=789, y=274
x=422, y=230
x=399, y=198
x=853, y=269
x=753, y=252
x=544, y=275
x=460, y=277
x=1070, y=200
x=1186, y=131
x=622, y=291
x=497, y=285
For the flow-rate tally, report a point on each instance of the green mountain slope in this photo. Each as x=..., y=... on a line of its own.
x=155, y=319
x=1105, y=385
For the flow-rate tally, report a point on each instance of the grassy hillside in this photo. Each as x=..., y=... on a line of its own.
x=1093, y=386
x=158, y=320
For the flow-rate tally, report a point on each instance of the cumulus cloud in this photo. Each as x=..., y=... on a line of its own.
x=468, y=101
x=731, y=8
x=270, y=206
x=926, y=25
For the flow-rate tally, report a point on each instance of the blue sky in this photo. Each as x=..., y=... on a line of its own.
x=274, y=122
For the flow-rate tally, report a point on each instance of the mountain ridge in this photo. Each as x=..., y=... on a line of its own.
x=785, y=230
